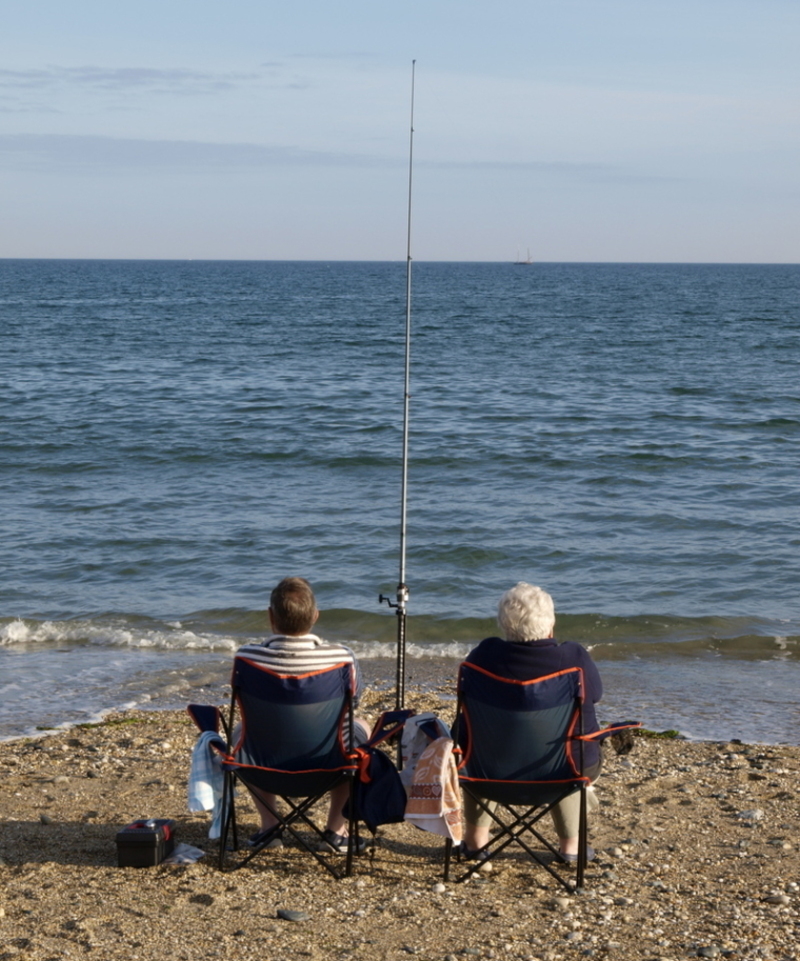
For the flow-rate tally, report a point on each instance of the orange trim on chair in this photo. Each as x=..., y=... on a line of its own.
x=486, y=780
x=323, y=670
x=533, y=680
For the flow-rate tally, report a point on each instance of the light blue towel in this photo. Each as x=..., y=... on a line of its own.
x=206, y=779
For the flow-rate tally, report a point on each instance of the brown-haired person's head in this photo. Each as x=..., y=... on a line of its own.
x=292, y=607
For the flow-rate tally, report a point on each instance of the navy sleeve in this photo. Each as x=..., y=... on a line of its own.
x=594, y=686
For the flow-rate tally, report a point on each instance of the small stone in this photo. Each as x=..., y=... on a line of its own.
x=61, y=779
x=709, y=951
x=439, y=888
x=287, y=915
x=778, y=899
x=756, y=814
x=45, y=819
x=91, y=773
x=615, y=852
x=562, y=904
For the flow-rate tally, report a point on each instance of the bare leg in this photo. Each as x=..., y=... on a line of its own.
x=337, y=822
x=566, y=819
x=264, y=802
x=475, y=836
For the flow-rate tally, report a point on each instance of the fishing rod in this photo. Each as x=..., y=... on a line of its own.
x=402, y=588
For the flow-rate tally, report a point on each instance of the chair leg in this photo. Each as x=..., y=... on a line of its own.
x=352, y=827
x=513, y=831
x=228, y=818
x=583, y=839
x=448, y=852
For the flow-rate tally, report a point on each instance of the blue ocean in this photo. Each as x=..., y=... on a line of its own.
x=175, y=437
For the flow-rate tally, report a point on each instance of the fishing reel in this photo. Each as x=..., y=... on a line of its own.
x=402, y=598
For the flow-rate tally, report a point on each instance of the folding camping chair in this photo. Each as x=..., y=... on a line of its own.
x=293, y=741
x=522, y=747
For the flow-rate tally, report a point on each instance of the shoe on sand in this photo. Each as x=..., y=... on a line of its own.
x=337, y=843
x=467, y=854
x=590, y=855
x=272, y=845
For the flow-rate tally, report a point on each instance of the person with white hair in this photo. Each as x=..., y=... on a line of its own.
x=526, y=616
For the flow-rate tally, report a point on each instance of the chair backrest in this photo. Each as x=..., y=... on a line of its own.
x=292, y=722
x=516, y=735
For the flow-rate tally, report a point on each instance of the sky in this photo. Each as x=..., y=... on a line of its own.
x=576, y=130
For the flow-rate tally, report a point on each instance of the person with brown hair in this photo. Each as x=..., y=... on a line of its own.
x=293, y=649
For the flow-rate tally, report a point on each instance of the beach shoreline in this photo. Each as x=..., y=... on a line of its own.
x=697, y=845
x=683, y=694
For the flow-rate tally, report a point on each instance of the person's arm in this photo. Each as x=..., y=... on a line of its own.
x=592, y=677
x=357, y=666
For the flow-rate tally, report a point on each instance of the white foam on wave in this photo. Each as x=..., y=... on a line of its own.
x=369, y=650
x=173, y=636
x=16, y=632
x=113, y=634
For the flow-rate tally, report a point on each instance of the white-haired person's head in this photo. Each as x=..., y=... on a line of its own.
x=526, y=613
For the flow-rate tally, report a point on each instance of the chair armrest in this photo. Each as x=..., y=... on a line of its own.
x=388, y=726
x=608, y=731
x=206, y=717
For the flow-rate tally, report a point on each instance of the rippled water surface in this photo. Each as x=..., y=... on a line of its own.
x=175, y=437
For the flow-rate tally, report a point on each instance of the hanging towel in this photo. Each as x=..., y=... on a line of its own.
x=418, y=732
x=206, y=779
x=434, y=802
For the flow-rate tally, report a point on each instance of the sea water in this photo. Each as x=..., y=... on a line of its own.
x=175, y=437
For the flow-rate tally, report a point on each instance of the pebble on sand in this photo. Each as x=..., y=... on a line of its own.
x=285, y=914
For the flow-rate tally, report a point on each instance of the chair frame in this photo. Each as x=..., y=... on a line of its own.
x=298, y=811
x=524, y=814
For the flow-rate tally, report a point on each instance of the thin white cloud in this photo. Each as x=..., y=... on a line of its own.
x=66, y=152
x=93, y=153
x=173, y=80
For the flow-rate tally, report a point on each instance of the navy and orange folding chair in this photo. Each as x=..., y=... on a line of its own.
x=294, y=741
x=522, y=746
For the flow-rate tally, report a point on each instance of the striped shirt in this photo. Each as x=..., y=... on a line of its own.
x=299, y=655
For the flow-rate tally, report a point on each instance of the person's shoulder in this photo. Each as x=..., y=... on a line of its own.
x=487, y=648
x=487, y=642
x=252, y=647
x=321, y=642
x=574, y=653
x=574, y=647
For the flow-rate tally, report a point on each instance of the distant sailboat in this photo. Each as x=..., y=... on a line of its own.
x=519, y=262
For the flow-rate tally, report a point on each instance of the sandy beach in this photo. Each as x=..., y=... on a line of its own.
x=697, y=856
